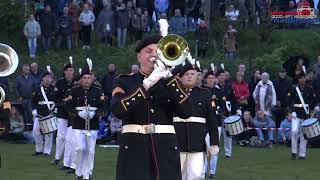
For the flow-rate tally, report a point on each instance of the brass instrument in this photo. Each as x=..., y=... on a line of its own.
x=172, y=50
x=8, y=64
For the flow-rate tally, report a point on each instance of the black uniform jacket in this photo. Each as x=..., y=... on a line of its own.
x=147, y=156
x=191, y=135
x=38, y=100
x=309, y=97
x=80, y=97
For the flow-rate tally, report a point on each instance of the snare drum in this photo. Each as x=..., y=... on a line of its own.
x=233, y=125
x=311, y=128
x=48, y=124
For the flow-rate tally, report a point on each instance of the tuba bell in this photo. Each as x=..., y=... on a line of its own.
x=8, y=64
x=172, y=50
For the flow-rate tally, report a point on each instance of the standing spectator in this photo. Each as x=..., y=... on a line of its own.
x=54, y=6
x=61, y=5
x=202, y=36
x=32, y=31
x=86, y=19
x=316, y=68
x=161, y=6
x=65, y=29
x=229, y=42
x=107, y=84
x=177, y=4
x=36, y=73
x=106, y=24
x=24, y=88
x=134, y=69
x=244, y=13
x=284, y=136
x=177, y=24
x=241, y=91
x=282, y=86
x=131, y=11
x=74, y=12
x=49, y=27
x=138, y=23
x=122, y=23
x=193, y=14
x=265, y=95
x=38, y=8
x=232, y=14
x=263, y=121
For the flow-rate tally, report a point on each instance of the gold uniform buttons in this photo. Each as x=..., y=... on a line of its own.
x=139, y=95
x=133, y=99
x=177, y=90
x=127, y=103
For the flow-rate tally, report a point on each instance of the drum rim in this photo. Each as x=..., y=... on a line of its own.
x=309, y=124
x=232, y=121
x=47, y=117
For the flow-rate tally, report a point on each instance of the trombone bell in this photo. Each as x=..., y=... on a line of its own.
x=8, y=60
x=172, y=50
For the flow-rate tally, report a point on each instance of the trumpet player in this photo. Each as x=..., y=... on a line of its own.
x=146, y=102
x=86, y=102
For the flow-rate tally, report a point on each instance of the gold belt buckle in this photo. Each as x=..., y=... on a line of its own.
x=150, y=129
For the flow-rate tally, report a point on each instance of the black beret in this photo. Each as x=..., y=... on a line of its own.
x=300, y=75
x=151, y=39
x=85, y=70
x=46, y=74
x=176, y=70
x=220, y=71
x=210, y=72
x=188, y=67
x=66, y=66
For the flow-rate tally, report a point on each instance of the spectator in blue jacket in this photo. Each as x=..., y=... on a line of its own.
x=161, y=6
x=177, y=23
x=284, y=136
x=263, y=121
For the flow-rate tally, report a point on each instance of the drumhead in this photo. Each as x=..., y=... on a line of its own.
x=232, y=119
x=309, y=122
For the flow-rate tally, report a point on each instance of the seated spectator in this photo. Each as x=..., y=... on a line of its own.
x=32, y=31
x=263, y=121
x=115, y=128
x=284, y=136
x=241, y=91
x=292, y=6
x=177, y=24
x=103, y=131
x=65, y=28
x=16, y=121
x=232, y=14
x=202, y=36
x=244, y=137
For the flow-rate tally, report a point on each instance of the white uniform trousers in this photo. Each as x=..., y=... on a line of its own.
x=192, y=165
x=296, y=134
x=85, y=150
x=43, y=147
x=214, y=158
x=227, y=143
x=69, y=150
x=61, y=137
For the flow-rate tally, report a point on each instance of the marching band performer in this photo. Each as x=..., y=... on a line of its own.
x=219, y=99
x=302, y=99
x=191, y=132
x=146, y=102
x=63, y=86
x=86, y=103
x=43, y=101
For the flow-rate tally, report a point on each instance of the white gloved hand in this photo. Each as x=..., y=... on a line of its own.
x=91, y=114
x=83, y=114
x=159, y=72
x=34, y=112
x=239, y=112
x=294, y=114
x=213, y=150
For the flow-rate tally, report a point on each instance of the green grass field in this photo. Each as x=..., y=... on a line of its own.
x=246, y=164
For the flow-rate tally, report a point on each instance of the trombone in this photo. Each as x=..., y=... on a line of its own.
x=8, y=64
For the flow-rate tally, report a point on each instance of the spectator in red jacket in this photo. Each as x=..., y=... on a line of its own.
x=241, y=91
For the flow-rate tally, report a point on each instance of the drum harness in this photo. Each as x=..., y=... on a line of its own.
x=46, y=101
